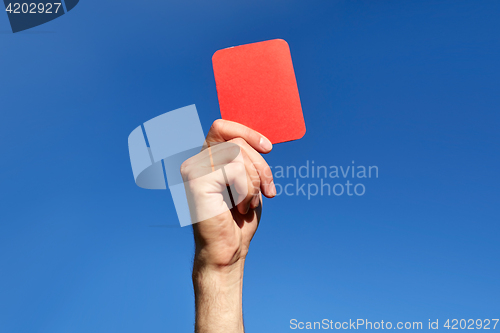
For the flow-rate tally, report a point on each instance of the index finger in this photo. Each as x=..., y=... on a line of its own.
x=225, y=130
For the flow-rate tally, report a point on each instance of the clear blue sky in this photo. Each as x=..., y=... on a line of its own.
x=411, y=87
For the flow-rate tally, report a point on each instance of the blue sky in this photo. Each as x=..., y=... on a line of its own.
x=411, y=87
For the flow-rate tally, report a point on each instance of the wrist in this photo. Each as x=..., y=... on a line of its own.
x=223, y=257
x=218, y=297
x=222, y=274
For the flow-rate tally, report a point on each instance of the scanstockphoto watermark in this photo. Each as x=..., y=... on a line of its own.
x=365, y=324
x=311, y=179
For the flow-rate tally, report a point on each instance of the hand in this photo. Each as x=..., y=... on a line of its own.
x=223, y=238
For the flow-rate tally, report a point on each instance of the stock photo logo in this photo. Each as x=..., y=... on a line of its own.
x=26, y=15
x=159, y=148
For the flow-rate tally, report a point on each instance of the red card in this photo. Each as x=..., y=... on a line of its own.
x=257, y=88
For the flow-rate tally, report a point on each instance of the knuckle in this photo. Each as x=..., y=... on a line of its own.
x=185, y=169
x=254, y=174
x=217, y=125
x=240, y=168
x=238, y=141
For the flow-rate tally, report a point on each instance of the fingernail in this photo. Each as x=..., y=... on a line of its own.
x=255, y=202
x=272, y=189
x=245, y=209
x=265, y=144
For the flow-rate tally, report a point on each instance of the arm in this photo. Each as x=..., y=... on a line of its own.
x=218, y=297
x=222, y=241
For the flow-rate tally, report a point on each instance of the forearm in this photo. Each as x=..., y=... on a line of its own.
x=218, y=298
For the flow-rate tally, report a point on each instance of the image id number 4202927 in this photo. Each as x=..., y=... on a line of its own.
x=33, y=8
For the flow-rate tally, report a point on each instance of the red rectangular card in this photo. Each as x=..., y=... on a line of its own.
x=256, y=87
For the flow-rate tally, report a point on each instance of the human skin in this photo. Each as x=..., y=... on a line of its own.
x=222, y=241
